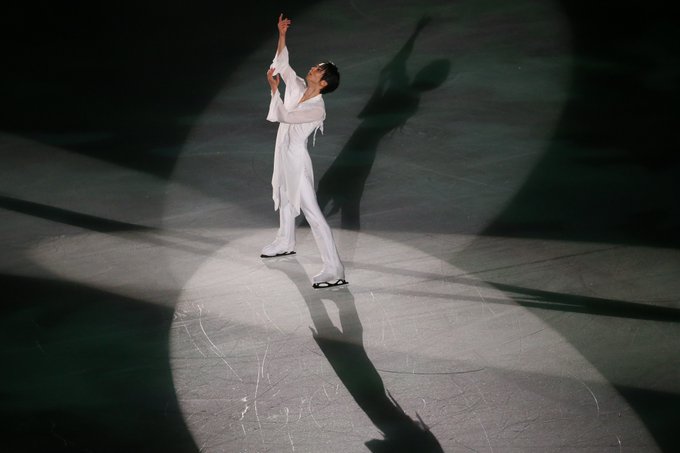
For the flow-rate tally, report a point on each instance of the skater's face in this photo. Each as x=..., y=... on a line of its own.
x=315, y=75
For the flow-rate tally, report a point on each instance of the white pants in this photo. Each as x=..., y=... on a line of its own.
x=285, y=239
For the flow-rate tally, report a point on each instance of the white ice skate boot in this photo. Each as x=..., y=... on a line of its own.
x=326, y=279
x=275, y=249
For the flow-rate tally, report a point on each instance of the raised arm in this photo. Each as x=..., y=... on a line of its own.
x=283, y=28
x=280, y=63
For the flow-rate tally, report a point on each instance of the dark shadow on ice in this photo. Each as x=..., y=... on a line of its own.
x=85, y=370
x=193, y=243
x=344, y=349
x=536, y=298
x=611, y=170
x=659, y=412
x=553, y=301
x=574, y=303
x=65, y=216
x=393, y=102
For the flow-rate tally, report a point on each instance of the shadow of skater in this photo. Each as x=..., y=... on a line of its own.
x=393, y=102
x=345, y=351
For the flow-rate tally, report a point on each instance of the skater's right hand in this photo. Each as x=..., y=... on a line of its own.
x=283, y=24
x=273, y=81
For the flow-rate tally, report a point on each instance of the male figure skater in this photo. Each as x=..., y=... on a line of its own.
x=300, y=115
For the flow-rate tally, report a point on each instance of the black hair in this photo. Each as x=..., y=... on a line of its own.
x=331, y=75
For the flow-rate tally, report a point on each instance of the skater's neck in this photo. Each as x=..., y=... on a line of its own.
x=309, y=93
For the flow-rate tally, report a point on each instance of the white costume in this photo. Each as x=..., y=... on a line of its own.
x=293, y=177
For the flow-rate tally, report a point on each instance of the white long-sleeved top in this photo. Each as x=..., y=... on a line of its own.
x=297, y=121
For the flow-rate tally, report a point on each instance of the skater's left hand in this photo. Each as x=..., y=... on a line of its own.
x=273, y=81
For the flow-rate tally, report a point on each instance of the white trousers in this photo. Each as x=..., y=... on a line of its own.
x=285, y=238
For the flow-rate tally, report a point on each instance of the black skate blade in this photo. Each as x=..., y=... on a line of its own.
x=337, y=282
x=277, y=255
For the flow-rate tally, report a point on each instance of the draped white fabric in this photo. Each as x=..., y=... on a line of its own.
x=297, y=121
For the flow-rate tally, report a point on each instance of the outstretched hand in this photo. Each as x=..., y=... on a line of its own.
x=273, y=80
x=283, y=24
